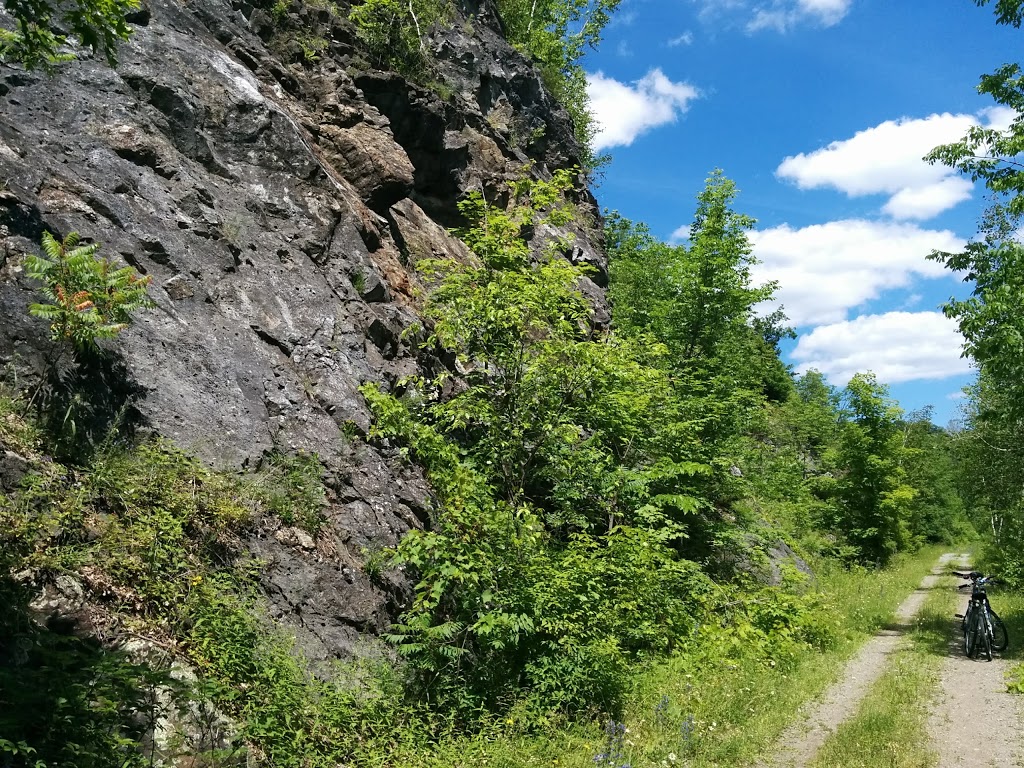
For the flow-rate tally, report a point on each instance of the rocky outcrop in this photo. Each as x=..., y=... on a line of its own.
x=279, y=205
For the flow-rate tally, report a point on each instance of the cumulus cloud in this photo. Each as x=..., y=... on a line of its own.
x=886, y=159
x=777, y=15
x=897, y=346
x=825, y=270
x=623, y=112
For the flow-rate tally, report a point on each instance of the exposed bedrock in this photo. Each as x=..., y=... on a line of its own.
x=279, y=206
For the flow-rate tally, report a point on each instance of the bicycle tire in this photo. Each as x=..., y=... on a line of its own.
x=986, y=638
x=1000, y=637
x=971, y=638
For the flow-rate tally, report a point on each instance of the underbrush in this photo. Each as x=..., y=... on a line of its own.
x=153, y=540
x=721, y=700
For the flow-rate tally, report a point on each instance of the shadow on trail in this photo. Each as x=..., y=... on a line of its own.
x=939, y=635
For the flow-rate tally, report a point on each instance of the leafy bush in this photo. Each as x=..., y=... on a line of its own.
x=394, y=31
x=89, y=299
x=566, y=479
x=97, y=24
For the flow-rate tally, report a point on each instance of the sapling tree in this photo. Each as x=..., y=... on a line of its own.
x=564, y=472
x=874, y=497
x=88, y=298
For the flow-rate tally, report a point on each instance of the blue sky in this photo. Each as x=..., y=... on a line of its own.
x=820, y=110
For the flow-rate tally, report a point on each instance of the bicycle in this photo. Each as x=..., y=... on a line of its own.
x=982, y=628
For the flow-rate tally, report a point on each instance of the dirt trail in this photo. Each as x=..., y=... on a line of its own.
x=801, y=741
x=975, y=722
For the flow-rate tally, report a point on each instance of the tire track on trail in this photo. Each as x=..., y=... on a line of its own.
x=800, y=742
x=975, y=722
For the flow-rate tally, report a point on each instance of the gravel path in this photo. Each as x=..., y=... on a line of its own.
x=801, y=741
x=975, y=722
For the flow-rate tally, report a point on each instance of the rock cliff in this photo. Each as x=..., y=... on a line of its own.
x=280, y=199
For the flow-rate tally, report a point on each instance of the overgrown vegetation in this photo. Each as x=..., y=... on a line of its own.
x=96, y=24
x=610, y=505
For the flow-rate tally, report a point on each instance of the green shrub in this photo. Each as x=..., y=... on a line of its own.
x=98, y=24
x=393, y=32
x=146, y=522
x=88, y=298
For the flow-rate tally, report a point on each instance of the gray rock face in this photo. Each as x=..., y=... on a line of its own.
x=278, y=205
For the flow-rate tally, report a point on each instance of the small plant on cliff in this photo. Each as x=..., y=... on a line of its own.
x=88, y=298
x=394, y=31
x=294, y=491
x=97, y=24
x=555, y=34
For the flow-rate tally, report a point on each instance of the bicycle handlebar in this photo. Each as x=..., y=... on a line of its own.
x=976, y=580
x=972, y=575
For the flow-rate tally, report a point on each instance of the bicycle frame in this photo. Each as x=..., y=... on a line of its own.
x=979, y=619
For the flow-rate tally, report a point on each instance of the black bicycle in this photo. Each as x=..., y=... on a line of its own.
x=983, y=630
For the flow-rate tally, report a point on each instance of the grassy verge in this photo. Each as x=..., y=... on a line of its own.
x=890, y=727
x=1009, y=605
x=710, y=706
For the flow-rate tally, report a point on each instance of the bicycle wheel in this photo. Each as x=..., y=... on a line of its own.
x=986, y=636
x=971, y=637
x=1000, y=637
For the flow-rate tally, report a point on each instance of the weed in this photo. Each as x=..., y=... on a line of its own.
x=613, y=755
x=291, y=487
x=312, y=46
x=358, y=280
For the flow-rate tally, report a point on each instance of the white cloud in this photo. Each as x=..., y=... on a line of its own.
x=623, y=112
x=897, y=346
x=886, y=159
x=684, y=39
x=825, y=270
x=999, y=117
x=778, y=15
x=929, y=200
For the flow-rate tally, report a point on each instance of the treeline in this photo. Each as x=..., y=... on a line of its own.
x=600, y=491
x=990, y=440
